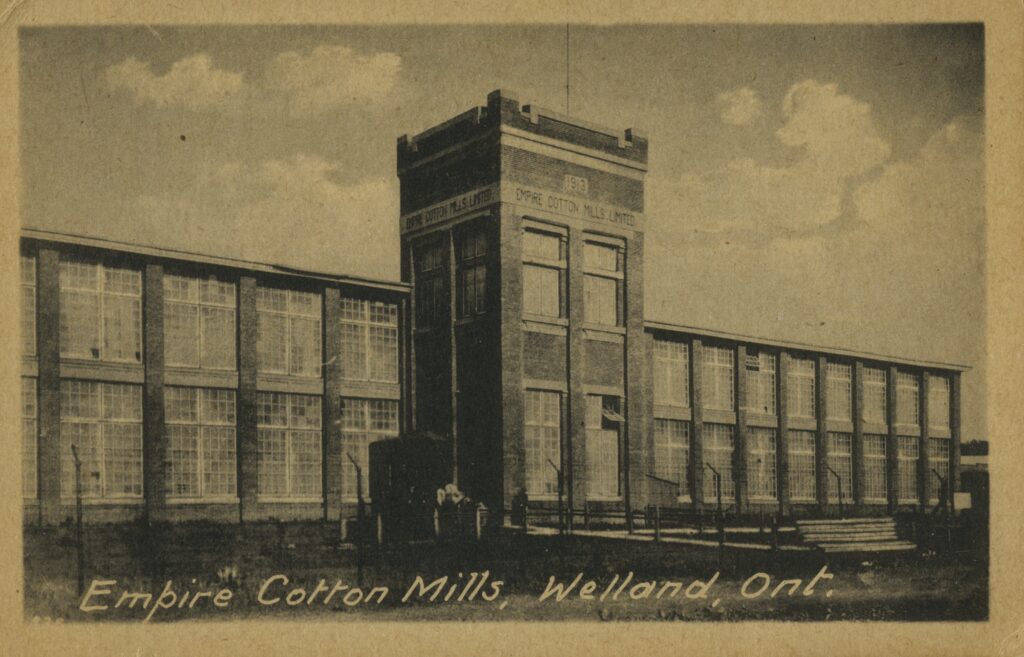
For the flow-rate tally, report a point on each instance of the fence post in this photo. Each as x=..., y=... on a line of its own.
x=477, y=521
x=657, y=523
x=437, y=524
x=380, y=529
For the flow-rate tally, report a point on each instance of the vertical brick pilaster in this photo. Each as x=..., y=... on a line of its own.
x=154, y=444
x=858, y=434
x=576, y=479
x=332, y=404
x=637, y=366
x=821, y=448
x=248, y=455
x=782, y=446
x=926, y=481
x=649, y=465
x=697, y=433
x=48, y=349
x=954, y=429
x=511, y=359
x=891, y=460
x=741, y=450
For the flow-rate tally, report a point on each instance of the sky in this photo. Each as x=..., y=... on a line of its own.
x=819, y=184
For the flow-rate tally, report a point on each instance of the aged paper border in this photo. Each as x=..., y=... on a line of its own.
x=1002, y=635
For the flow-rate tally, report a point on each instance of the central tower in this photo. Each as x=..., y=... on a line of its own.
x=522, y=236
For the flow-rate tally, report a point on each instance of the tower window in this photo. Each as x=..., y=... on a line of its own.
x=472, y=272
x=543, y=273
x=603, y=266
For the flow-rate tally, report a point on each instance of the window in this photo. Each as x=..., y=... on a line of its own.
x=672, y=453
x=874, y=395
x=761, y=463
x=29, y=438
x=839, y=395
x=369, y=340
x=907, y=452
x=28, y=306
x=908, y=399
x=288, y=325
x=876, y=488
x=671, y=373
x=543, y=441
x=471, y=272
x=199, y=322
x=718, y=446
x=104, y=422
x=718, y=377
x=543, y=274
x=938, y=461
x=100, y=312
x=288, y=438
x=761, y=383
x=363, y=421
x=938, y=401
x=801, y=388
x=840, y=460
x=200, y=442
x=429, y=259
x=603, y=265
x=602, y=425
x=801, y=466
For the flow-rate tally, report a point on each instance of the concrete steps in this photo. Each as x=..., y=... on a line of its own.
x=853, y=535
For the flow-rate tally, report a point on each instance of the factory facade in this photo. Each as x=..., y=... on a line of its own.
x=199, y=387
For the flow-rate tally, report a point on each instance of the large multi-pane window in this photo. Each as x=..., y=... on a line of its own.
x=603, y=266
x=471, y=272
x=938, y=460
x=718, y=446
x=761, y=463
x=288, y=324
x=100, y=312
x=363, y=421
x=672, y=453
x=603, y=459
x=369, y=340
x=907, y=453
x=29, y=438
x=28, y=306
x=874, y=395
x=429, y=258
x=543, y=440
x=718, y=366
x=761, y=383
x=543, y=273
x=199, y=322
x=289, y=445
x=876, y=488
x=801, y=398
x=938, y=401
x=200, y=442
x=103, y=421
x=840, y=462
x=839, y=395
x=801, y=465
x=671, y=373
x=908, y=399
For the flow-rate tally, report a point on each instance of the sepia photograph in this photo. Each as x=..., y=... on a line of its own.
x=510, y=322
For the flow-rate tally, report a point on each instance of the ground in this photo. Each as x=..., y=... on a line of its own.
x=209, y=558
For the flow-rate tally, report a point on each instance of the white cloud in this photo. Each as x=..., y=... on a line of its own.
x=291, y=211
x=331, y=76
x=739, y=106
x=835, y=141
x=326, y=78
x=193, y=82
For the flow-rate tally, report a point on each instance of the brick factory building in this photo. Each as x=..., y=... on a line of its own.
x=199, y=387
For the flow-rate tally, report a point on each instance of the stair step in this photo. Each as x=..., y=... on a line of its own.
x=851, y=539
x=868, y=547
x=844, y=521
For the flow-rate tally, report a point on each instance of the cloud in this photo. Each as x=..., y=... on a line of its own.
x=331, y=76
x=303, y=84
x=293, y=211
x=193, y=82
x=739, y=106
x=828, y=140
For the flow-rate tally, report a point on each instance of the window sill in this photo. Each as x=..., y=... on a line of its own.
x=604, y=498
x=604, y=328
x=545, y=319
x=185, y=501
x=289, y=500
x=105, y=501
x=461, y=321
